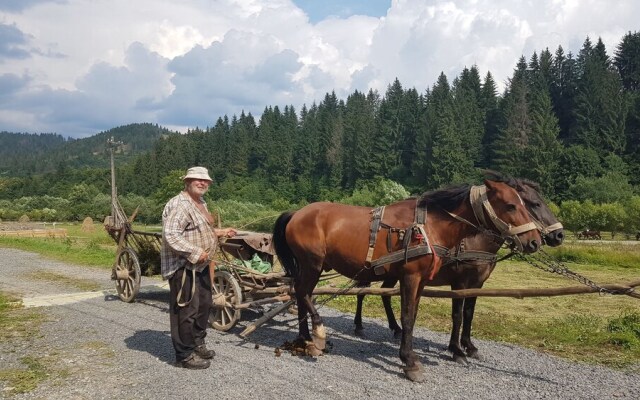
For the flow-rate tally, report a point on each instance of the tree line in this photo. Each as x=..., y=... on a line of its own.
x=569, y=122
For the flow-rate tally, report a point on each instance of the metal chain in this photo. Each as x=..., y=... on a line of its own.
x=544, y=261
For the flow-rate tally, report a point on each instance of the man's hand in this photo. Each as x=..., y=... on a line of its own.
x=203, y=257
x=230, y=232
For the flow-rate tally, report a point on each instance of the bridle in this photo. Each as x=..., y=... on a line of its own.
x=480, y=204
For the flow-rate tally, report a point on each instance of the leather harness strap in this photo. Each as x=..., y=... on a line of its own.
x=380, y=264
x=376, y=217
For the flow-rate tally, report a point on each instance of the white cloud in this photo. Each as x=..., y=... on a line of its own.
x=77, y=67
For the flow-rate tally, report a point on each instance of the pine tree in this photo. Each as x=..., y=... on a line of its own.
x=600, y=109
x=469, y=112
x=509, y=148
x=489, y=102
x=449, y=163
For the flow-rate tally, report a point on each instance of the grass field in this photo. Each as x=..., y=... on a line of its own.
x=598, y=329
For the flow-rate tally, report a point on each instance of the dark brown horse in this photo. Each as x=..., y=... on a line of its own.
x=469, y=265
x=325, y=236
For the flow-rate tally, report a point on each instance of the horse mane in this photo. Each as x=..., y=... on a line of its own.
x=515, y=183
x=448, y=198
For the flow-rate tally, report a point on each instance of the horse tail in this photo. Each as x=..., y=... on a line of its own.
x=283, y=251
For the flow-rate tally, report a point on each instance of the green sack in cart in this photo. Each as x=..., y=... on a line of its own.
x=256, y=264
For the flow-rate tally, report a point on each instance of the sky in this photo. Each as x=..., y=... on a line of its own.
x=81, y=67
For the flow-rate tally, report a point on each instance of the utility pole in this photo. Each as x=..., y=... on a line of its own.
x=111, y=145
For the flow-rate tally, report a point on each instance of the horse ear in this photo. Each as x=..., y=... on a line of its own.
x=489, y=184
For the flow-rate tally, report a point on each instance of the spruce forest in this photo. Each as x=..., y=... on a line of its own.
x=570, y=122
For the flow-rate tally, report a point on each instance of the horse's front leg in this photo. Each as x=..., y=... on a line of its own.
x=455, y=347
x=357, y=320
x=410, y=288
x=469, y=310
x=386, y=302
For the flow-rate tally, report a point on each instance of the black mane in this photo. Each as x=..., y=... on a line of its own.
x=448, y=198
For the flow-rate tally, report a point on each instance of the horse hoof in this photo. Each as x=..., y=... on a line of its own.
x=359, y=332
x=312, y=350
x=476, y=355
x=462, y=360
x=397, y=333
x=415, y=373
x=319, y=336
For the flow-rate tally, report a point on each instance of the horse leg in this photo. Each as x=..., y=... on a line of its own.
x=469, y=310
x=304, y=286
x=318, y=332
x=455, y=347
x=357, y=320
x=410, y=289
x=386, y=302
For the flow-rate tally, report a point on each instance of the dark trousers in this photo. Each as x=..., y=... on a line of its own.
x=189, y=323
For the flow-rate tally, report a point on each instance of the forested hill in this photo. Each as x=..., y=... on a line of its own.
x=31, y=154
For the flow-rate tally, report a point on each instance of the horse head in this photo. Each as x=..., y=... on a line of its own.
x=507, y=213
x=551, y=229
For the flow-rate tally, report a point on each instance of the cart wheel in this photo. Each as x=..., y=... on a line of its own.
x=223, y=318
x=127, y=275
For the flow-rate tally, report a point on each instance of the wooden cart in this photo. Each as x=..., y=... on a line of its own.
x=236, y=286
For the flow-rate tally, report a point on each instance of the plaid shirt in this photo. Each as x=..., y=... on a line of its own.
x=186, y=234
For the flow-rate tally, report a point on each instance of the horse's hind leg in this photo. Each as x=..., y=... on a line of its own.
x=304, y=286
x=318, y=332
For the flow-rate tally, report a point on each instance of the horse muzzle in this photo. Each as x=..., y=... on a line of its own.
x=554, y=238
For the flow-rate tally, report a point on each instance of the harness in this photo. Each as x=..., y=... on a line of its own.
x=480, y=204
x=405, y=235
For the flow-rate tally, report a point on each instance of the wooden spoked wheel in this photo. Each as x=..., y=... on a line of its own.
x=224, y=317
x=127, y=274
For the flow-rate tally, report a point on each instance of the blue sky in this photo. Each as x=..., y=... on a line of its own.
x=319, y=10
x=79, y=67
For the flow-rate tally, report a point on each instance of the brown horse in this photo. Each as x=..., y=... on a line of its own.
x=589, y=234
x=325, y=236
x=468, y=266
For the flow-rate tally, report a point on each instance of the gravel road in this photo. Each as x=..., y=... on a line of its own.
x=102, y=348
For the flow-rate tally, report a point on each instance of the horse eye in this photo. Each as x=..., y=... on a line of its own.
x=511, y=207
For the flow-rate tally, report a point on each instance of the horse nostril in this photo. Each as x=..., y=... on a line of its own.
x=533, y=246
x=560, y=236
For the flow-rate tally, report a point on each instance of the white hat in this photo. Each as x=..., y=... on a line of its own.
x=197, y=173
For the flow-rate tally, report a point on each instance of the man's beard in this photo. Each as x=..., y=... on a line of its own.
x=197, y=191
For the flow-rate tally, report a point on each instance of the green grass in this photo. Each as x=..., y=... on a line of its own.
x=91, y=248
x=18, y=324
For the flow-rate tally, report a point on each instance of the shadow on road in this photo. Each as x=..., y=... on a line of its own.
x=156, y=343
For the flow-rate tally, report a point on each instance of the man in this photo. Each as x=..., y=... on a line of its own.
x=189, y=241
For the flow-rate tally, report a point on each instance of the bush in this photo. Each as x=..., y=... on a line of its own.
x=376, y=192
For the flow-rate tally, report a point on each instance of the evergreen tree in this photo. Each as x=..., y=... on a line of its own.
x=600, y=109
x=627, y=62
x=489, y=102
x=563, y=92
x=385, y=158
x=469, y=113
x=509, y=148
x=449, y=163
x=358, y=138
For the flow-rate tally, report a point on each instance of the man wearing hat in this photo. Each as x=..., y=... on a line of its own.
x=189, y=241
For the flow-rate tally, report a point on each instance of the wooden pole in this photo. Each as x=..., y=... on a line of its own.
x=457, y=294
x=266, y=317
